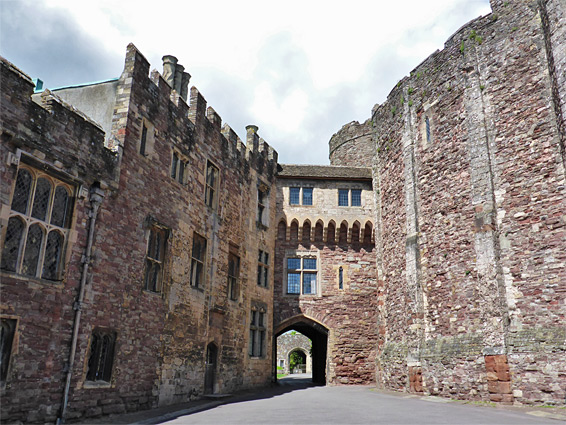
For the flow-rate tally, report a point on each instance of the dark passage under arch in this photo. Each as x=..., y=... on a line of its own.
x=318, y=334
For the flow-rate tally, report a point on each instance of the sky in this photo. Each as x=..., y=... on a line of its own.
x=299, y=70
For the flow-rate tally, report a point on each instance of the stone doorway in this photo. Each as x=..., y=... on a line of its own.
x=210, y=368
x=297, y=361
x=317, y=333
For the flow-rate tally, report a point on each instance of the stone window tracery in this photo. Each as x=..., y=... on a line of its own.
x=155, y=257
x=258, y=326
x=302, y=275
x=38, y=226
x=101, y=356
x=211, y=191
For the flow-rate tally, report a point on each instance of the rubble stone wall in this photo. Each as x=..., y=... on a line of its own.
x=161, y=336
x=57, y=140
x=470, y=184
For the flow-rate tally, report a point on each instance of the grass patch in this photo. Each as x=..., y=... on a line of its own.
x=281, y=375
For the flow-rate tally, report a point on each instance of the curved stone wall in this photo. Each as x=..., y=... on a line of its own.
x=353, y=145
x=470, y=227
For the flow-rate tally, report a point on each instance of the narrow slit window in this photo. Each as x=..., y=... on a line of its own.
x=143, y=141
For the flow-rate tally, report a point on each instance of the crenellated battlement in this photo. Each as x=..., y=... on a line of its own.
x=191, y=113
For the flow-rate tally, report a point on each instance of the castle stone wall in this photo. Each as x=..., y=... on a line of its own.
x=353, y=145
x=349, y=312
x=470, y=186
x=62, y=143
x=162, y=335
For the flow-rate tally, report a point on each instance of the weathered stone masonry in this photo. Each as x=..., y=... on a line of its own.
x=161, y=335
x=470, y=185
x=170, y=255
x=340, y=239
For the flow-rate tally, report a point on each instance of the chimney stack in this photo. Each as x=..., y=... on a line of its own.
x=169, y=68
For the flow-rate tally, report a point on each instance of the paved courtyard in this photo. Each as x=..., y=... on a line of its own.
x=297, y=402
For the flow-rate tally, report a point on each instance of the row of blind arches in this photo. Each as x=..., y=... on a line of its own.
x=330, y=234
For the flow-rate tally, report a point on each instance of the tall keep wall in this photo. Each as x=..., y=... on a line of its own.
x=470, y=184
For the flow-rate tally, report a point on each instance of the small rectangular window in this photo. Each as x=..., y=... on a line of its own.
x=307, y=195
x=143, y=140
x=174, y=165
x=356, y=197
x=301, y=276
x=154, y=259
x=197, y=261
x=261, y=203
x=101, y=356
x=294, y=195
x=211, y=191
x=258, y=327
x=233, y=276
x=178, y=166
x=343, y=197
x=263, y=269
x=8, y=331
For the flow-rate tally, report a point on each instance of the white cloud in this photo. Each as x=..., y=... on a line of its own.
x=298, y=69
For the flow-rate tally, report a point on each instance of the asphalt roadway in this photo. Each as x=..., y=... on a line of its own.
x=297, y=401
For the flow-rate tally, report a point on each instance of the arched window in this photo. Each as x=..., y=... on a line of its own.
x=368, y=233
x=294, y=234
x=307, y=232
x=14, y=239
x=343, y=238
x=38, y=225
x=355, y=233
x=60, y=211
x=331, y=237
x=34, y=241
x=281, y=230
x=22, y=191
x=53, y=250
x=41, y=199
x=341, y=278
x=318, y=231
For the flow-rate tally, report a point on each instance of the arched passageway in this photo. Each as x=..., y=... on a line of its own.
x=318, y=334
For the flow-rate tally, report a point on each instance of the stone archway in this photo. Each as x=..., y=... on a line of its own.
x=318, y=334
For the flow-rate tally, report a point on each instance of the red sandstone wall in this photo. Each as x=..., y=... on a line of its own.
x=70, y=147
x=161, y=337
x=471, y=222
